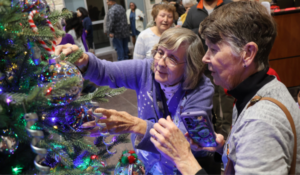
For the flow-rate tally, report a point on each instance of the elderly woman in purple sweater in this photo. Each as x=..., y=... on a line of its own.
x=171, y=83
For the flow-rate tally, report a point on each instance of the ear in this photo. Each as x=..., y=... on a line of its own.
x=251, y=49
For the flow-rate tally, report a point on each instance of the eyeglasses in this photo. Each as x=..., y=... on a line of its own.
x=170, y=62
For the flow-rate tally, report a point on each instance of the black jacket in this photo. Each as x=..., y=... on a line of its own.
x=197, y=14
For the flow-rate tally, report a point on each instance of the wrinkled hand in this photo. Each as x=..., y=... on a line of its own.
x=172, y=144
x=67, y=49
x=116, y=123
x=219, y=139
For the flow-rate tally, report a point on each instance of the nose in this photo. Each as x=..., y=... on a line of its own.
x=161, y=62
x=165, y=18
x=206, y=58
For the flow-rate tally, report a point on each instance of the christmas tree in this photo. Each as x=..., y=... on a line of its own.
x=41, y=107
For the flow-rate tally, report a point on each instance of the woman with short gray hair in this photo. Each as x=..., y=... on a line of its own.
x=171, y=83
x=265, y=132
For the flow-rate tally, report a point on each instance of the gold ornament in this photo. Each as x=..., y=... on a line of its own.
x=55, y=127
x=25, y=52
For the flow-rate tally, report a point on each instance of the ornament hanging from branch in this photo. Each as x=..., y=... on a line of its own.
x=63, y=82
x=37, y=135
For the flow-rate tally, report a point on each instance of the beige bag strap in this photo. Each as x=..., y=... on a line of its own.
x=230, y=169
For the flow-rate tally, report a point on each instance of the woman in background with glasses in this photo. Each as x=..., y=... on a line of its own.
x=171, y=83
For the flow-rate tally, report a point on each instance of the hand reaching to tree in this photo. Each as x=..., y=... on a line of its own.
x=67, y=49
x=115, y=122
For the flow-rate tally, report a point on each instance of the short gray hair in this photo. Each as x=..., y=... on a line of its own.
x=239, y=23
x=172, y=39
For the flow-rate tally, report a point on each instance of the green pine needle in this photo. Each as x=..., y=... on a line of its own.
x=84, y=146
x=73, y=57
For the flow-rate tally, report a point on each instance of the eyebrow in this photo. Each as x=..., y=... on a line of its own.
x=173, y=55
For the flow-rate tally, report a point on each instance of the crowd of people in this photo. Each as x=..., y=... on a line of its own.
x=222, y=46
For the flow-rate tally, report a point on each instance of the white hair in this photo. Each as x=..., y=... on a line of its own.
x=188, y=2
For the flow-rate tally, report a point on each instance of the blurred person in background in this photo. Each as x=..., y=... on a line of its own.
x=187, y=5
x=135, y=18
x=87, y=25
x=179, y=9
x=66, y=39
x=74, y=28
x=163, y=16
x=117, y=28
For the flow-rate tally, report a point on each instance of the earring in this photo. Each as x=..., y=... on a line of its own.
x=245, y=65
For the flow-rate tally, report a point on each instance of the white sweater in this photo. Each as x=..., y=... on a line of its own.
x=144, y=44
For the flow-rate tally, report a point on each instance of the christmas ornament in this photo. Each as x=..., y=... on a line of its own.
x=78, y=116
x=129, y=164
x=9, y=142
x=40, y=5
x=67, y=118
x=54, y=73
x=93, y=157
x=35, y=29
x=37, y=135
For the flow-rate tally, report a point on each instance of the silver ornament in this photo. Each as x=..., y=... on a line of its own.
x=31, y=119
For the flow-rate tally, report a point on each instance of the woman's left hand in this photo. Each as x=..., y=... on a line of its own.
x=116, y=123
x=172, y=144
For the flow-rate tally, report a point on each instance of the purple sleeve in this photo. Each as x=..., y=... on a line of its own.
x=126, y=73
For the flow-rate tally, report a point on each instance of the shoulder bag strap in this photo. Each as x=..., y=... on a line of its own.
x=230, y=169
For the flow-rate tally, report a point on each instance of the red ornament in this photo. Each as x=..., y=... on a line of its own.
x=131, y=152
x=131, y=159
x=93, y=157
